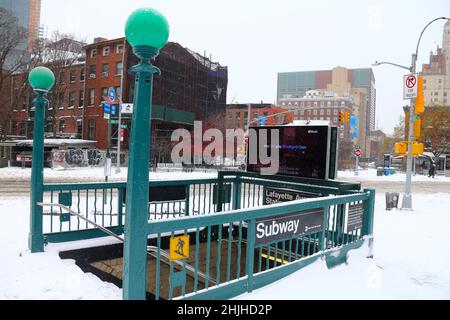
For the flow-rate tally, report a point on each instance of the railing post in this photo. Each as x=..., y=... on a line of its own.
x=250, y=253
x=220, y=189
x=369, y=212
x=120, y=209
x=368, y=223
x=326, y=218
x=188, y=201
x=36, y=237
x=135, y=248
x=237, y=193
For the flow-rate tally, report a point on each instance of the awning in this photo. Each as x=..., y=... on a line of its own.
x=173, y=115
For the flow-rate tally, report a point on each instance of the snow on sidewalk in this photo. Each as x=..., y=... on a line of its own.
x=412, y=260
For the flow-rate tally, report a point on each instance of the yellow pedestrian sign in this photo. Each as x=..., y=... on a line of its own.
x=179, y=248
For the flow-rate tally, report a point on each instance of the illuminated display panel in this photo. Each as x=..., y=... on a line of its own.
x=303, y=150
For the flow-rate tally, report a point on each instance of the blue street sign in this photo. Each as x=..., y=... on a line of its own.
x=107, y=108
x=262, y=121
x=112, y=94
x=114, y=110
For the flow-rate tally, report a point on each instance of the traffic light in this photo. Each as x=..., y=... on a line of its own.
x=419, y=106
x=418, y=149
x=341, y=117
x=347, y=117
x=401, y=148
x=417, y=127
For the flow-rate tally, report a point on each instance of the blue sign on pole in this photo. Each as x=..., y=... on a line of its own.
x=262, y=121
x=107, y=108
x=114, y=109
x=112, y=94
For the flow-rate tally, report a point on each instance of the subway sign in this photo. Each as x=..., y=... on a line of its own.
x=282, y=228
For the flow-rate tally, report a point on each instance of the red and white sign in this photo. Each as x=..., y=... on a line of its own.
x=410, y=86
x=358, y=153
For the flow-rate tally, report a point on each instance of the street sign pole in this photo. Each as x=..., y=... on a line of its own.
x=119, y=140
x=407, y=198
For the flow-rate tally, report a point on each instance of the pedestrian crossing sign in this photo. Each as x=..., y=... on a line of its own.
x=179, y=248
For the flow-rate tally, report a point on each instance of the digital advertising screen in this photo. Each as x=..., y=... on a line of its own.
x=303, y=151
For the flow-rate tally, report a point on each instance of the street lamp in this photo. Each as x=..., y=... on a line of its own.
x=147, y=31
x=41, y=79
x=407, y=198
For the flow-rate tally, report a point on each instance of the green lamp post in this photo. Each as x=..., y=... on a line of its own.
x=147, y=31
x=41, y=79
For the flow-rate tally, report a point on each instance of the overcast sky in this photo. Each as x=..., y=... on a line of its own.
x=257, y=39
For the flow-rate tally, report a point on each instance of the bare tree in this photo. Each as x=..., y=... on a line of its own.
x=12, y=61
x=59, y=54
x=436, y=130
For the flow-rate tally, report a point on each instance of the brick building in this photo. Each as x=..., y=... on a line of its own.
x=190, y=88
x=238, y=115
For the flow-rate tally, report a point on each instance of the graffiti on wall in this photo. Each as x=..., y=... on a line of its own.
x=80, y=158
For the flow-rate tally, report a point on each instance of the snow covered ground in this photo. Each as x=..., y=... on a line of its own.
x=371, y=175
x=412, y=256
x=95, y=174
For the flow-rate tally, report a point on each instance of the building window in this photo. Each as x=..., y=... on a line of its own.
x=328, y=112
x=91, y=129
x=91, y=97
x=13, y=128
x=24, y=102
x=315, y=112
x=80, y=128
x=61, y=100
x=106, y=51
x=105, y=70
x=118, y=91
x=22, y=129
x=73, y=76
x=119, y=68
x=81, y=99
x=92, y=71
x=62, y=125
x=104, y=94
x=322, y=112
x=62, y=77
x=322, y=104
x=119, y=48
x=302, y=112
x=82, y=74
x=255, y=115
x=335, y=119
x=230, y=116
x=93, y=53
x=71, y=99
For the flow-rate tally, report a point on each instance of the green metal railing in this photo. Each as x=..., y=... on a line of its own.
x=220, y=216
x=223, y=247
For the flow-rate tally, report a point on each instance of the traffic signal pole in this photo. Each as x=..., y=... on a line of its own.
x=407, y=197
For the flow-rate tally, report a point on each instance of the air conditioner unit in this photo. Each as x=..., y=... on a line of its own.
x=92, y=76
x=104, y=74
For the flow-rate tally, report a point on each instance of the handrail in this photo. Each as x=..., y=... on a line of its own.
x=122, y=185
x=253, y=213
x=150, y=250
